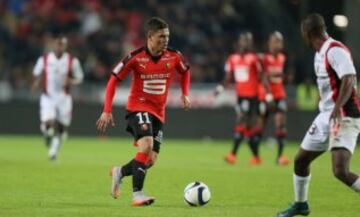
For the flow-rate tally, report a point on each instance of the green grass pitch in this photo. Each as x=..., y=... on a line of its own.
x=78, y=184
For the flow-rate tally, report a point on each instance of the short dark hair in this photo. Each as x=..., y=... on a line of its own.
x=154, y=24
x=314, y=25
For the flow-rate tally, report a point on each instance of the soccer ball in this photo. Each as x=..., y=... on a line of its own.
x=197, y=194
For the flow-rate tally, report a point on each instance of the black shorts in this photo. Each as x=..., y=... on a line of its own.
x=141, y=124
x=247, y=106
x=279, y=105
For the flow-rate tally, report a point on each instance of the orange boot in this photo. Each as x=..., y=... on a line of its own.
x=283, y=160
x=255, y=161
x=230, y=158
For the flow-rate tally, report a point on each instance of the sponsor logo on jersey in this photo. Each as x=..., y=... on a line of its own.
x=142, y=59
x=155, y=76
x=167, y=58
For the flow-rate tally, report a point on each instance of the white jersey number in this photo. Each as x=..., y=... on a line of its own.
x=141, y=119
x=156, y=87
x=241, y=74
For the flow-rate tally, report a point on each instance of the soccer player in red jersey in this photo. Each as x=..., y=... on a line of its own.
x=273, y=64
x=243, y=67
x=152, y=68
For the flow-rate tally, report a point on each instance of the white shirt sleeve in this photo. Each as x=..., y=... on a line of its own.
x=39, y=67
x=340, y=61
x=77, y=72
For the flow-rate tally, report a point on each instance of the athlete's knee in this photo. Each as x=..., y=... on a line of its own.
x=281, y=132
x=48, y=128
x=61, y=127
x=301, y=163
x=340, y=171
x=145, y=144
x=152, y=159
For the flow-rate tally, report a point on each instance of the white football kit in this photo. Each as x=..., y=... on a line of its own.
x=55, y=101
x=331, y=63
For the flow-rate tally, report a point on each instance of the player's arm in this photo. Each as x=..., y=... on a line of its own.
x=77, y=72
x=288, y=71
x=341, y=62
x=38, y=70
x=184, y=72
x=118, y=74
x=259, y=64
x=229, y=76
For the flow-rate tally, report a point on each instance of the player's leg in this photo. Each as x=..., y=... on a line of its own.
x=48, y=130
x=47, y=118
x=313, y=145
x=341, y=168
x=158, y=137
x=342, y=146
x=63, y=120
x=255, y=122
x=280, y=121
x=239, y=130
x=140, y=126
x=301, y=181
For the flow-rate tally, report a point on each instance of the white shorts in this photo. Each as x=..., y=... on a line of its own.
x=319, y=138
x=57, y=108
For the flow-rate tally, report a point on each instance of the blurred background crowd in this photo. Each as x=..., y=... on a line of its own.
x=100, y=32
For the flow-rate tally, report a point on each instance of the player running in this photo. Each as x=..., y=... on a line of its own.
x=338, y=120
x=152, y=68
x=56, y=71
x=243, y=67
x=273, y=64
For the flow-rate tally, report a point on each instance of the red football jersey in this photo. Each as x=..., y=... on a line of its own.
x=151, y=79
x=273, y=66
x=245, y=69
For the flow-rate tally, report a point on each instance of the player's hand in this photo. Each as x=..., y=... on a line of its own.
x=335, y=119
x=67, y=82
x=269, y=98
x=35, y=85
x=186, y=102
x=219, y=89
x=104, y=120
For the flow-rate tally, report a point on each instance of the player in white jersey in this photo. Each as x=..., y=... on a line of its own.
x=56, y=71
x=338, y=124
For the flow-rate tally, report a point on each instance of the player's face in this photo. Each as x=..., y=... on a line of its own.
x=60, y=45
x=276, y=44
x=245, y=41
x=159, y=40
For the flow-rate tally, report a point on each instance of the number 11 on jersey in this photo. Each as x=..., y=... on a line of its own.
x=143, y=116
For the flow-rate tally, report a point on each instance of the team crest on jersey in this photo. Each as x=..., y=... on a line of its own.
x=167, y=65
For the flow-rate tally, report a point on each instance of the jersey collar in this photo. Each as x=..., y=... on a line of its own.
x=155, y=59
x=322, y=43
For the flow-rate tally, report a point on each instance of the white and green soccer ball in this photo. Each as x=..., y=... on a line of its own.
x=197, y=194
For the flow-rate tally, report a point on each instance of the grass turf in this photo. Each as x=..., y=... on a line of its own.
x=78, y=184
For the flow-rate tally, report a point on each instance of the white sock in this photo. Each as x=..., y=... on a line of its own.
x=55, y=146
x=356, y=185
x=301, y=188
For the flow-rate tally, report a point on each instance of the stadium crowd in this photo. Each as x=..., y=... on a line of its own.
x=101, y=31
